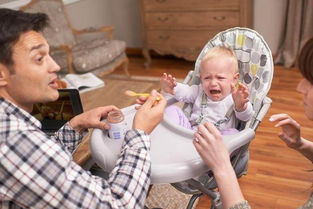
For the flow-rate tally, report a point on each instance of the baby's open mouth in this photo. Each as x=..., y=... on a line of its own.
x=215, y=91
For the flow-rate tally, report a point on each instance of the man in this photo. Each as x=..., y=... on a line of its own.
x=37, y=171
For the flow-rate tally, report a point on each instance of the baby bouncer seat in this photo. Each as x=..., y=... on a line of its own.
x=256, y=72
x=173, y=156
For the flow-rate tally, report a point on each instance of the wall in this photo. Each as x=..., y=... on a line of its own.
x=269, y=20
x=124, y=15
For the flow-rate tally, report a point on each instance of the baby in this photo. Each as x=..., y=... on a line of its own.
x=219, y=99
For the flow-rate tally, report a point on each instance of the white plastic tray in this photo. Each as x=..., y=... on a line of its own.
x=173, y=155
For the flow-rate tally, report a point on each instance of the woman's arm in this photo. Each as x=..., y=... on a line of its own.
x=291, y=135
x=211, y=148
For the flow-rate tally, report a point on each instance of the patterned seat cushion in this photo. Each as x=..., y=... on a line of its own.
x=254, y=59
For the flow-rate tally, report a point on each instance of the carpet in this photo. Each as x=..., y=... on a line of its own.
x=113, y=91
x=167, y=197
x=133, y=77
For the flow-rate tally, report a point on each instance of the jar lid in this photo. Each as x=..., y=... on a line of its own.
x=115, y=116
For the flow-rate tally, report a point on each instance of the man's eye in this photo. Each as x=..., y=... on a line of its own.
x=39, y=59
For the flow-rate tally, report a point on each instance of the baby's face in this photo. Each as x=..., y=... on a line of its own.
x=217, y=75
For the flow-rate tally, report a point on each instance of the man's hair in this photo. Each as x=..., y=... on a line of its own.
x=12, y=25
x=305, y=60
x=218, y=51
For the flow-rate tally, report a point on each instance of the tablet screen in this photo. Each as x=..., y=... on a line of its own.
x=53, y=115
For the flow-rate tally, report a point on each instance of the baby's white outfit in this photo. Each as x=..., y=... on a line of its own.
x=206, y=110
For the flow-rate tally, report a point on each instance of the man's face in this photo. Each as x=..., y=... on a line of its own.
x=217, y=75
x=34, y=76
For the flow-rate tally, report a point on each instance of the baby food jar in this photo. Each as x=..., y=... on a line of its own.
x=117, y=124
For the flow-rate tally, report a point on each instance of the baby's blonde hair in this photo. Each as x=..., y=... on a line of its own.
x=221, y=50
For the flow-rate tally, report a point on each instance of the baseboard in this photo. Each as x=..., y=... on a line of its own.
x=137, y=52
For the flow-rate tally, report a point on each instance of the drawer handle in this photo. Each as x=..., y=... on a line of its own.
x=160, y=1
x=162, y=19
x=219, y=18
x=164, y=37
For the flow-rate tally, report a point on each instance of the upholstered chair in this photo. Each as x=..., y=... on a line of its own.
x=79, y=51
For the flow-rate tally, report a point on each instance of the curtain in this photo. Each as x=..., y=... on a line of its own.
x=298, y=29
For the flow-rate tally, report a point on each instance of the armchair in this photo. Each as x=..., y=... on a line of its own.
x=79, y=51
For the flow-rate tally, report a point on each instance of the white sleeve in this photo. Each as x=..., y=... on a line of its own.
x=246, y=114
x=186, y=93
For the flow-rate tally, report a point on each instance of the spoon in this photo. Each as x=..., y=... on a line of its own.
x=134, y=94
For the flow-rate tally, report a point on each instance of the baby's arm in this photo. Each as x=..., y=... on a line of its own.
x=240, y=97
x=290, y=134
x=168, y=83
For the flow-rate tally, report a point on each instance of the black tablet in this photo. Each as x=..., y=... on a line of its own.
x=53, y=115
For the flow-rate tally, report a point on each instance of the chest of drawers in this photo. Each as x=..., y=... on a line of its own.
x=183, y=27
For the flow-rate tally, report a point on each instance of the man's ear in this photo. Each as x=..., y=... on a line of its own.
x=3, y=75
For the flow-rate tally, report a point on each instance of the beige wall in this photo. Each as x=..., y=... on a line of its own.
x=124, y=15
x=269, y=20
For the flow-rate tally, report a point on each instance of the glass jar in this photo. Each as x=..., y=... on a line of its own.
x=117, y=125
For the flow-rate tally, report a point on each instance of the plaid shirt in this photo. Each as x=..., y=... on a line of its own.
x=38, y=172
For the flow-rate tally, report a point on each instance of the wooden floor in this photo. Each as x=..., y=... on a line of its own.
x=278, y=177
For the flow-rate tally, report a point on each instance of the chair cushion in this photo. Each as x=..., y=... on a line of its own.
x=59, y=31
x=93, y=54
x=60, y=58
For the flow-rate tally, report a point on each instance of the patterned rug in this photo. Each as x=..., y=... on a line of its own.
x=167, y=197
x=132, y=78
x=113, y=91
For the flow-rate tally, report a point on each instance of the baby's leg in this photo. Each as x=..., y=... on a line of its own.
x=229, y=131
x=177, y=116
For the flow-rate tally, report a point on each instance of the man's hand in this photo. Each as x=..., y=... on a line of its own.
x=150, y=113
x=168, y=83
x=290, y=133
x=240, y=96
x=92, y=119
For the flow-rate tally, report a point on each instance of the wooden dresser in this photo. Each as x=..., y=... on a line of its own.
x=183, y=27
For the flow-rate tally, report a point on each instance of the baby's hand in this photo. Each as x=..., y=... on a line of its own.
x=240, y=96
x=168, y=83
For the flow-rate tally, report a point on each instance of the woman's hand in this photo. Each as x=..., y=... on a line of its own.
x=209, y=144
x=290, y=133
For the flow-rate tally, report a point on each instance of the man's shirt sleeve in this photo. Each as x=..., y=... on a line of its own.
x=68, y=137
x=38, y=173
